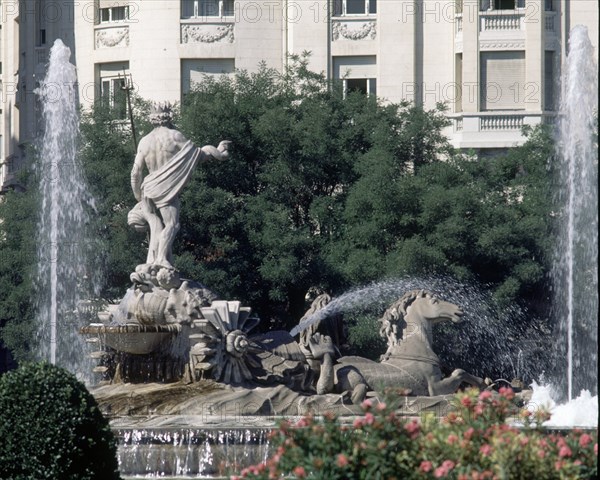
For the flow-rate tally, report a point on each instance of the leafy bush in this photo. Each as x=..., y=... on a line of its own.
x=472, y=442
x=51, y=428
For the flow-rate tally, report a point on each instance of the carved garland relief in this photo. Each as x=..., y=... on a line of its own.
x=207, y=33
x=112, y=37
x=341, y=30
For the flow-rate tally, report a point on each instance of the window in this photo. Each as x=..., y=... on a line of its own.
x=549, y=79
x=357, y=73
x=366, y=86
x=113, y=95
x=195, y=71
x=111, y=80
x=114, y=14
x=40, y=23
x=503, y=84
x=354, y=7
x=501, y=4
x=206, y=8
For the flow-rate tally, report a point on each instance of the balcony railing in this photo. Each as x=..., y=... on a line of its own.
x=495, y=21
x=501, y=122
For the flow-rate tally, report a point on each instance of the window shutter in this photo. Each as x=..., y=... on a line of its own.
x=503, y=80
x=355, y=66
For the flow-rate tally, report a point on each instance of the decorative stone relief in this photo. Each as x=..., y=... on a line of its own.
x=502, y=45
x=207, y=33
x=367, y=29
x=112, y=37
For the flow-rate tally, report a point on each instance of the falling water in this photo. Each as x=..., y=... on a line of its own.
x=190, y=452
x=61, y=226
x=576, y=266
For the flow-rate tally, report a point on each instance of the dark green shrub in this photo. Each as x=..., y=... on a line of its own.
x=52, y=429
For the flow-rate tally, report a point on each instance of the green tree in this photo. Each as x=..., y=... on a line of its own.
x=298, y=149
x=320, y=190
x=482, y=219
x=107, y=152
x=17, y=260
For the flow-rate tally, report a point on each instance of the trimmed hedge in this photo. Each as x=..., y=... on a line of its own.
x=51, y=428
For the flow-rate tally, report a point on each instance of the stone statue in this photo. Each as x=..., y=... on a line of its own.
x=170, y=159
x=410, y=362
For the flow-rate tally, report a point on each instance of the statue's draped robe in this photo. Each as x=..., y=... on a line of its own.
x=163, y=185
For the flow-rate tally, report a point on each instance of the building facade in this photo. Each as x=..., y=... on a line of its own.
x=494, y=63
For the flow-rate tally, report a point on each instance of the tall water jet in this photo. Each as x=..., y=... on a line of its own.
x=63, y=216
x=576, y=265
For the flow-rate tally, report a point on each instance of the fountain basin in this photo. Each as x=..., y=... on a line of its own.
x=132, y=338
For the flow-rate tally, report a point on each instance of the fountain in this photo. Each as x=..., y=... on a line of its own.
x=178, y=365
x=65, y=203
x=180, y=368
x=575, y=274
x=576, y=271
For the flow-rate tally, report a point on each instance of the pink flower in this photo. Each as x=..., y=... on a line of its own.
x=469, y=433
x=524, y=441
x=426, y=466
x=443, y=469
x=369, y=418
x=541, y=453
x=303, y=422
x=466, y=401
x=485, y=449
x=585, y=439
x=300, y=472
x=358, y=422
x=507, y=393
x=381, y=407
x=452, y=439
x=485, y=395
x=595, y=448
x=565, y=452
x=558, y=465
x=412, y=426
x=366, y=404
x=342, y=460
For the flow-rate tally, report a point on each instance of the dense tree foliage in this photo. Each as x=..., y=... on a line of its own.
x=17, y=256
x=325, y=191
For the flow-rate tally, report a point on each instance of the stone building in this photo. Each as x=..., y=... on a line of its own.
x=493, y=62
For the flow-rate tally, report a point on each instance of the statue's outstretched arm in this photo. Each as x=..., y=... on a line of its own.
x=136, y=176
x=218, y=153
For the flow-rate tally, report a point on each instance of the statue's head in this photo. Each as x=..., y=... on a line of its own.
x=424, y=305
x=161, y=114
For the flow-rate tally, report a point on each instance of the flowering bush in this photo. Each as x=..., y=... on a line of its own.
x=473, y=442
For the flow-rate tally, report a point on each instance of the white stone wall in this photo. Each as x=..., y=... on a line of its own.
x=426, y=51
